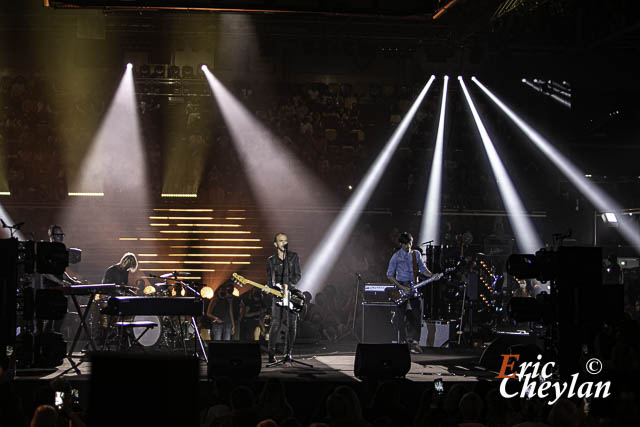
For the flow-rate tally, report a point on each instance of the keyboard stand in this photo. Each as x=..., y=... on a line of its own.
x=82, y=314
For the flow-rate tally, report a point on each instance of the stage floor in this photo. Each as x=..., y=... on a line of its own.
x=330, y=363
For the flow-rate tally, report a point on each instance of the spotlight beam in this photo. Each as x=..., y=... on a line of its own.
x=596, y=196
x=276, y=176
x=430, y=229
x=337, y=236
x=526, y=236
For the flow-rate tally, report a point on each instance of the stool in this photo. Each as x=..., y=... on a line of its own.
x=125, y=332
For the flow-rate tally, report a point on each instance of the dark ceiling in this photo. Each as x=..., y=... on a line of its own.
x=590, y=25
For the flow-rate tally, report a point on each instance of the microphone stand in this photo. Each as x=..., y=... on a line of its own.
x=288, y=358
x=196, y=331
x=352, y=329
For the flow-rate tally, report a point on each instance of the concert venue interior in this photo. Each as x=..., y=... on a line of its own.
x=150, y=150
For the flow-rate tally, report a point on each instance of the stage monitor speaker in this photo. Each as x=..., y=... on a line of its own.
x=528, y=346
x=378, y=323
x=437, y=333
x=143, y=390
x=382, y=361
x=234, y=359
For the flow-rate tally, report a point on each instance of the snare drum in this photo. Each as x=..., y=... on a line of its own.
x=152, y=336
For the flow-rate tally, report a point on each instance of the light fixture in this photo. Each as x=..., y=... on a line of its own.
x=206, y=292
x=187, y=72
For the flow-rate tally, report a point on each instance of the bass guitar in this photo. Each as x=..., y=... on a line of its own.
x=295, y=298
x=399, y=296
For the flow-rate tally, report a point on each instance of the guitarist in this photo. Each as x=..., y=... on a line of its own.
x=405, y=268
x=283, y=272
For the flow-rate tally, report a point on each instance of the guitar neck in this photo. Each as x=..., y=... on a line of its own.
x=260, y=286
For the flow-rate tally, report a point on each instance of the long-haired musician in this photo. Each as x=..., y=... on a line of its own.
x=119, y=273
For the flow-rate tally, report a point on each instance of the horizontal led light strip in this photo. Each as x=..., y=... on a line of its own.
x=183, y=210
x=186, y=239
x=194, y=218
x=179, y=195
x=208, y=225
x=87, y=194
x=194, y=262
x=204, y=232
x=186, y=269
x=5, y=193
x=216, y=247
x=183, y=217
x=214, y=255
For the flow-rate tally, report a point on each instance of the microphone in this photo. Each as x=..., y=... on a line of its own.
x=358, y=275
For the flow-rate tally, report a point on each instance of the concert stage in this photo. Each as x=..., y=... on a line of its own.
x=306, y=388
x=332, y=365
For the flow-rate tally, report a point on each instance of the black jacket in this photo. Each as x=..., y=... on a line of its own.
x=291, y=270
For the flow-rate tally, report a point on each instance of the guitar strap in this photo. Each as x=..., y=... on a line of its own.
x=415, y=267
x=273, y=273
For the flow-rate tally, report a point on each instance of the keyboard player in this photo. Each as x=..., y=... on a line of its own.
x=119, y=273
x=54, y=281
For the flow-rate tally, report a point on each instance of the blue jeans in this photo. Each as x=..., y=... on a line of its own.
x=221, y=331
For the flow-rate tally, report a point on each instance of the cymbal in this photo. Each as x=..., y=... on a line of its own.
x=175, y=274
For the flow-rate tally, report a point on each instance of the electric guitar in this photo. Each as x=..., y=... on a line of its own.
x=399, y=296
x=295, y=298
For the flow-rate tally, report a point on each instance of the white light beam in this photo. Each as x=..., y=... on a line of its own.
x=526, y=236
x=336, y=237
x=596, y=196
x=430, y=229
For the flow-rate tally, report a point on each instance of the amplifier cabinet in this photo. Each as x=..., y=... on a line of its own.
x=379, y=323
x=435, y=333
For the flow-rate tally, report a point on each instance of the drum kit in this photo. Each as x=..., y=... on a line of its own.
x=171, y=332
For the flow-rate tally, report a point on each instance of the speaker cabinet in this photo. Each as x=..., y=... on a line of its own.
x=527, y=346
x=234, y=359
x=382, y=361
x=379, y=323
x=143, y=390
x=435, y=333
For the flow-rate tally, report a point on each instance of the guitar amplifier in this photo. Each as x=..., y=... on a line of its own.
x=377, y=293
x=379, y=323
x=435, y=333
